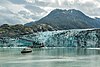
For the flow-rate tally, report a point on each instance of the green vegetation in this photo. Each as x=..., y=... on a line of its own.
x=19, y=29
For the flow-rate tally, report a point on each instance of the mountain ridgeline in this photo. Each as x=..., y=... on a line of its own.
x=67, y=19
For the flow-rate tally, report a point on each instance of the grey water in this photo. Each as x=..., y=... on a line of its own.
x=50, y=57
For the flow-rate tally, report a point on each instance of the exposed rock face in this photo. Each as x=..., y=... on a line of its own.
x=42, y=27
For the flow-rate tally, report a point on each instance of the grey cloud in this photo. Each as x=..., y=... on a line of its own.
x=89, y=8
x=98, y=0
x=27, y=15
x=9, y=20
x=36, y=2
x=5, y=11
x=35, y=17
x=34, y=9
x=41, y=3
x=18, y=1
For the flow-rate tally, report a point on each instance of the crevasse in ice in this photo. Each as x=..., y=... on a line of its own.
x=63, y=38
x=69, y=38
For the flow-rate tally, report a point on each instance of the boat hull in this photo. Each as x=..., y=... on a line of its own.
x=26, y=51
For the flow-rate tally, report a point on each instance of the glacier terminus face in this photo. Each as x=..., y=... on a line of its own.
x=69, y=38
x=63, y=38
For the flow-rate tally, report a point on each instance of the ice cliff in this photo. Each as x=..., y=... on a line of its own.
x=62, y=38
x=69, y=38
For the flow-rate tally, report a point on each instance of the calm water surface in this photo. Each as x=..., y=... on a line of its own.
x=50, y=57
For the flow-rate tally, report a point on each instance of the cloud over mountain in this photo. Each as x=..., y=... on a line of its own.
x=23, y=11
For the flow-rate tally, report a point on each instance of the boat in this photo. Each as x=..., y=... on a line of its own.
x=26, y=50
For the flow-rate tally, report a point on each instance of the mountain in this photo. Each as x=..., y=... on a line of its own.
x=98, y=19
x=67, y=19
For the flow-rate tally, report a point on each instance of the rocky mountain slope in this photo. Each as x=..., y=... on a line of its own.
x=67, y=19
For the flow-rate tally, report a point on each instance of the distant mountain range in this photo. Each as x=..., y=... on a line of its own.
x=68, y=19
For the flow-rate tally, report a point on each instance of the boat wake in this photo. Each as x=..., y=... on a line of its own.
x=43, y=60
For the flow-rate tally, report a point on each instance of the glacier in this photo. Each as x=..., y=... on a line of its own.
x=62, y=38
x=68, y=38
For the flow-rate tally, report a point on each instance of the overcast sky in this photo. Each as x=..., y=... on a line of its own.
x=23, y=11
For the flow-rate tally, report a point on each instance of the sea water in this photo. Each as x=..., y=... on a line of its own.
x=50, y=57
